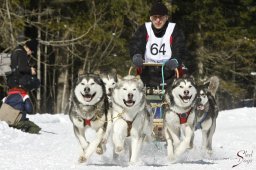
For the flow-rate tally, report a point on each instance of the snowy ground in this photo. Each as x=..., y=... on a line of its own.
x=235, y=135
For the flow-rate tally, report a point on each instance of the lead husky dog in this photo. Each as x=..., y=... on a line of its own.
x=179, y=116
x=130, y=115
x=207, y=111
x=89, y=107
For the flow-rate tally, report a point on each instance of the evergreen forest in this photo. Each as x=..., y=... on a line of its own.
x=88, y=35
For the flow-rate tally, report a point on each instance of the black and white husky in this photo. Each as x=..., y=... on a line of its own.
x=89, y=107
x=207, y=111
x=130, y=116
x=179, y=116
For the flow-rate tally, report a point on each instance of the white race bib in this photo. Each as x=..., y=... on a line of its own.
x=158, y=50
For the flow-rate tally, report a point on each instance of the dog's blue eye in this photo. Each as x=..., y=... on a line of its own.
x=82, y=83
x=113, y=83
x=134, y=89
x=181, y=86
x=92, y=83
x=189, y=86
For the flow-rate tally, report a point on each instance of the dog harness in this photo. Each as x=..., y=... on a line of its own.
x=183, y=116
x=87, y=122
x=199, y=124
x=129, y=124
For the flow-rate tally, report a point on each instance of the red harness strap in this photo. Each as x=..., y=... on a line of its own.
x=17, y=90
x=183, y=116
x=87, y=122
x=138, y=71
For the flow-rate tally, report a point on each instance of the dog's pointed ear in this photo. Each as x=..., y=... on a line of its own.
x=206, y=85
x=192, y=78
x=138, y=77
x=97, y=79
x=81, y=72
x=113, y=70
x=119, y=77
x=96, y=71
x=119, y=82
x=140, y=84
x=174, y=82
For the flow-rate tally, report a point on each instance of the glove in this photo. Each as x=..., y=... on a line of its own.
x=171, y=64
x=137, y=60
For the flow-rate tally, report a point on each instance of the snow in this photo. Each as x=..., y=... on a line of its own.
x=235, y=135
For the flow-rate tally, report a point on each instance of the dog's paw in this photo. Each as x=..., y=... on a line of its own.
x=209, y=151
x=82, y=159
x=99, y=150
x=172, y=159
x=190, y=146
x=119, y=149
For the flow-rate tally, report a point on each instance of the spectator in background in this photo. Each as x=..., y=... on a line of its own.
x=21, y=81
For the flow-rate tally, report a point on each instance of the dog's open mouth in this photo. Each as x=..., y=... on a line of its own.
x=200, y=107
x=129, y=103
x=88, y=97
x=185, y=99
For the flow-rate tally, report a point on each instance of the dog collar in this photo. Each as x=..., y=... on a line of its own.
x=184, y=116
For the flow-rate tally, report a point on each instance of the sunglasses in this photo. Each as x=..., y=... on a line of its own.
x=160, y=17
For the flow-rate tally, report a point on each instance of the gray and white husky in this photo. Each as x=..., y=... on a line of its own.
x=89, y=108
x=130, y=116
x=179, y=116
x=207, y=111
x=109, y=79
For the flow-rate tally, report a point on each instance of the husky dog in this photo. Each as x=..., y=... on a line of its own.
x=130, y=116
x=207, y=111
x=89, y=107
x=179, y=116
x=109, y=79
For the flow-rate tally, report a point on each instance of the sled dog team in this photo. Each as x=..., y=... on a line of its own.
x=117, y=110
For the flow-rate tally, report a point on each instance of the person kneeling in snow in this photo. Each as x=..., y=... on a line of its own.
x=19, y=100
x=22, y=80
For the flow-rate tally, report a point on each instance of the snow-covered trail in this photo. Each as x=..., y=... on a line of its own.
x=235, y=134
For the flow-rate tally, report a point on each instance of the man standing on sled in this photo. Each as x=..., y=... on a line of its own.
x=158, y=41
x=22, y=80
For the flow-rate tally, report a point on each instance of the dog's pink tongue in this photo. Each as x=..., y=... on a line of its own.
x=88, y=98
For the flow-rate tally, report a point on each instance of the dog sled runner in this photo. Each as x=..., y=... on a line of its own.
x=155, y=98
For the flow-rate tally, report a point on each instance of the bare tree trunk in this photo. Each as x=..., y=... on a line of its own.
x=55, y=83
x=45, y=74
x=10, y=22
x=39, y=60
x=64, y=94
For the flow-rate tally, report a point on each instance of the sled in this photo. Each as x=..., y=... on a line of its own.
x=155, y=100
x=155, y=97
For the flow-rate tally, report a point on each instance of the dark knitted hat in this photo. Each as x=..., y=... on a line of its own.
x=32, y=45
x=158, y=8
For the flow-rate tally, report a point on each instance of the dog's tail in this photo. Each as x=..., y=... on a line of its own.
x=213, y=85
